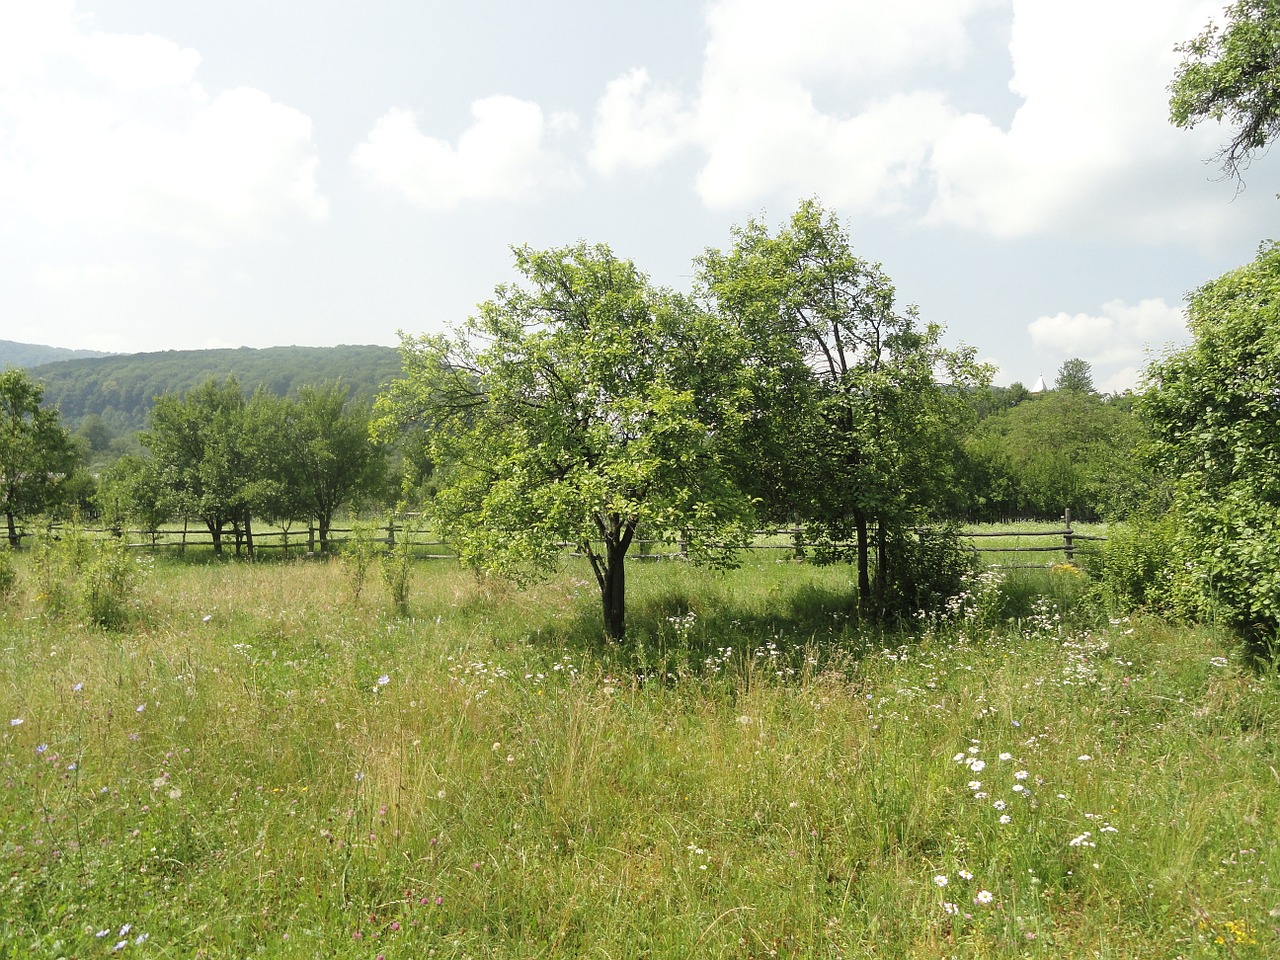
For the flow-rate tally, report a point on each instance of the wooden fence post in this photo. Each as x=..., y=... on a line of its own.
x=1067, y=540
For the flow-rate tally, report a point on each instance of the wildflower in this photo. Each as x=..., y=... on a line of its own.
x=42, y=748
x=975, y=784
x=77, y=688
x=941, y=880
x=120, y=946
x=101, y=933
x=141, y=707
x=966, y=875
x=383, y=680
x=977, y=766
x=951, y=909
x=359, y=777
x=1084, y=758
x=1018, y=788
x=999, y=804
x=15, y=722
x=1006, y=756
x=1005, y=818
x=984, y=896
x=1020, y=775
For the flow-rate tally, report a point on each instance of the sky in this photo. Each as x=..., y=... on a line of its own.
x=273, y=172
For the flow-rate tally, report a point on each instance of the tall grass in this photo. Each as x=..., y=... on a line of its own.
x=263, y=764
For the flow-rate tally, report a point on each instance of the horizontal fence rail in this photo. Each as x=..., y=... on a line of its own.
x=789, y=541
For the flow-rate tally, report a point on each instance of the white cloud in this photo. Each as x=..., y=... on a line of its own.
x=829, y=100
x=1120, y=335
x=1092, y=125
x=111, y=132
x=638, y=124
x=502, y=155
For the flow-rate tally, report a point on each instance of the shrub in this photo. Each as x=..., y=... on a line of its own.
x=1136, y=567
x=96, y=579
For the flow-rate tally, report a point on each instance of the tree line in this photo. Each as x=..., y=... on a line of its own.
x=212, y=455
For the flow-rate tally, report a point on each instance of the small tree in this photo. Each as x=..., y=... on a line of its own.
x=37, y=454
x=1075, y=376
x=330, y=457
x=858, y=406
x=574, y=410
x=199, y=454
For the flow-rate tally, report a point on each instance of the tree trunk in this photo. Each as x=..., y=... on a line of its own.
x=215, y=531
x=883, y=573
x=864, y=562
x=324, y=535
x=613, y=592
x=13, y=531
x=610, y=571
x=248, y=535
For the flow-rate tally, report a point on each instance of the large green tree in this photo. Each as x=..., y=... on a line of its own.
x=37, y=454
x=1214, y=410
x=1231, y=74
x=860, y=404
x=578, y=408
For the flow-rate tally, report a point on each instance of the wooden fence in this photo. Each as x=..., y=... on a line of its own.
x=789, y=542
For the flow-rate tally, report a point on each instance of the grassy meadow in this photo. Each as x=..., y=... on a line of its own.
x=270, y=760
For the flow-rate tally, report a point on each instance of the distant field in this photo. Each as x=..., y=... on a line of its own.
x=266, y=765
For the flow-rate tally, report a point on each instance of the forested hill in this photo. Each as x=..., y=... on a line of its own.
x=14, y=354
x=122, y=388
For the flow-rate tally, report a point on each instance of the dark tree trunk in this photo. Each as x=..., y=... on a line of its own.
x=613, y=593
x=248, y=535
x=324, y=535
x=609, y=565
x=13, y=531
x=215, y=531
x=883, y=573
x=864, y=562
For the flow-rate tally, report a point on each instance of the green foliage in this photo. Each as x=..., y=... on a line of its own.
x=1064, y=449
x=326, y=456
x=859, y=407
x=121, y=389
x=1075, y=376
x=1214, y=410
x=1232, y=75
x=37, y=455
x=930, y=566
x=573, y=410
x=360, y=552
x=95, y=580
x=203, y=454
x=1138, y=566
x=397, y=568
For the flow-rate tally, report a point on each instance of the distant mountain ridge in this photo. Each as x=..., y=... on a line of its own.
x=14, y=354
x=122, y=387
